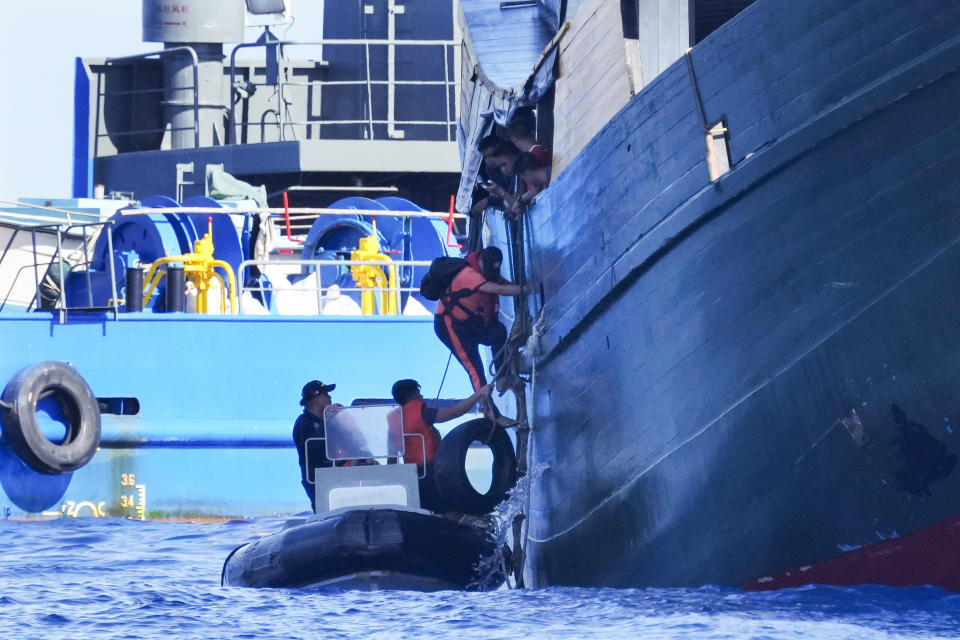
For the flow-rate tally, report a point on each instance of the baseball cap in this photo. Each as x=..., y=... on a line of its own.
x=314, y=388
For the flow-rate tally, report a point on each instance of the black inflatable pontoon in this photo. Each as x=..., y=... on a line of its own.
x=368, y=549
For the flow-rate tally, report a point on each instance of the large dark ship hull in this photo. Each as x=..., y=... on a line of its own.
x=757, y=374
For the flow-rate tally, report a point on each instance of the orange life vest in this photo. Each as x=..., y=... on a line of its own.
x=413, y=446
x=473, y=302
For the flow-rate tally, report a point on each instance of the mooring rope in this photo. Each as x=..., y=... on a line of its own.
x=443, y=379
x=522, y=335
x=519, y=334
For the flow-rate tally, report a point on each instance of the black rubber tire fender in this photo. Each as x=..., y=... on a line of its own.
x=76, y=401
x=451, y=473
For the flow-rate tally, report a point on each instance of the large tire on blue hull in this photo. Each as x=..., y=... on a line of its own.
x=70, y=391
x=451, y=472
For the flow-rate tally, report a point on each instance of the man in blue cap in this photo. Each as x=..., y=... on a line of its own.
x=315, y=398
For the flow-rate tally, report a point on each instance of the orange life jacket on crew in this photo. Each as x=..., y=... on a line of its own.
x=414, y=446
x=479, y=303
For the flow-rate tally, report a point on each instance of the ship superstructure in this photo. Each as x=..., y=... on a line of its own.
x=244, y=221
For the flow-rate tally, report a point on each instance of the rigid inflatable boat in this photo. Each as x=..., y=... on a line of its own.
x=369, y=530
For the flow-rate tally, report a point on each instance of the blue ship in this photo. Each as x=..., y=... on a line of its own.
x=256, y=179
x=743, y=357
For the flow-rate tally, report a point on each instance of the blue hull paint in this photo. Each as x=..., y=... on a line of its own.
x=755, y=374
x=217, y=398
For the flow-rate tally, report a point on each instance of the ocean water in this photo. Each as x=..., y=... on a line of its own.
x=109, y=578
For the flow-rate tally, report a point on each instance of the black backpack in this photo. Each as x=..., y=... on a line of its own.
x=437, y=279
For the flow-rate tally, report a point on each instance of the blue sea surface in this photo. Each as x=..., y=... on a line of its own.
x=112, y=578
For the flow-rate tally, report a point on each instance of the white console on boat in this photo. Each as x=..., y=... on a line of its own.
x=365, y=440
x=373, y=485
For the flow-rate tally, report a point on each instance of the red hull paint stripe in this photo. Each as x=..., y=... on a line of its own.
x=930, y=556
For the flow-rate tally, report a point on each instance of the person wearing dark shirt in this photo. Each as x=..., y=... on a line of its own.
x=503, y=158
x=487, y=171
x=421, y=439
x=489, y=174
x=315, y=398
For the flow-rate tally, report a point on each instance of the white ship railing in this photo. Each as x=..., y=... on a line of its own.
x=44, y=215
x=447, y=51
x=286, y=126
x=88, y=232
x=320, y=291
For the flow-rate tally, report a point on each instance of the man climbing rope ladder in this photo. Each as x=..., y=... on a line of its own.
x=466, y=316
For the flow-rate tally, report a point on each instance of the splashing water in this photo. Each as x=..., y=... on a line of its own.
x=513, y=506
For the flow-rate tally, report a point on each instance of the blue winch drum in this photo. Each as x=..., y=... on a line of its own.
x=226, y=237
x=147, y=238
x=331, y=237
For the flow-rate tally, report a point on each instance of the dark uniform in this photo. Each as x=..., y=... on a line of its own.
x=310, y=426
